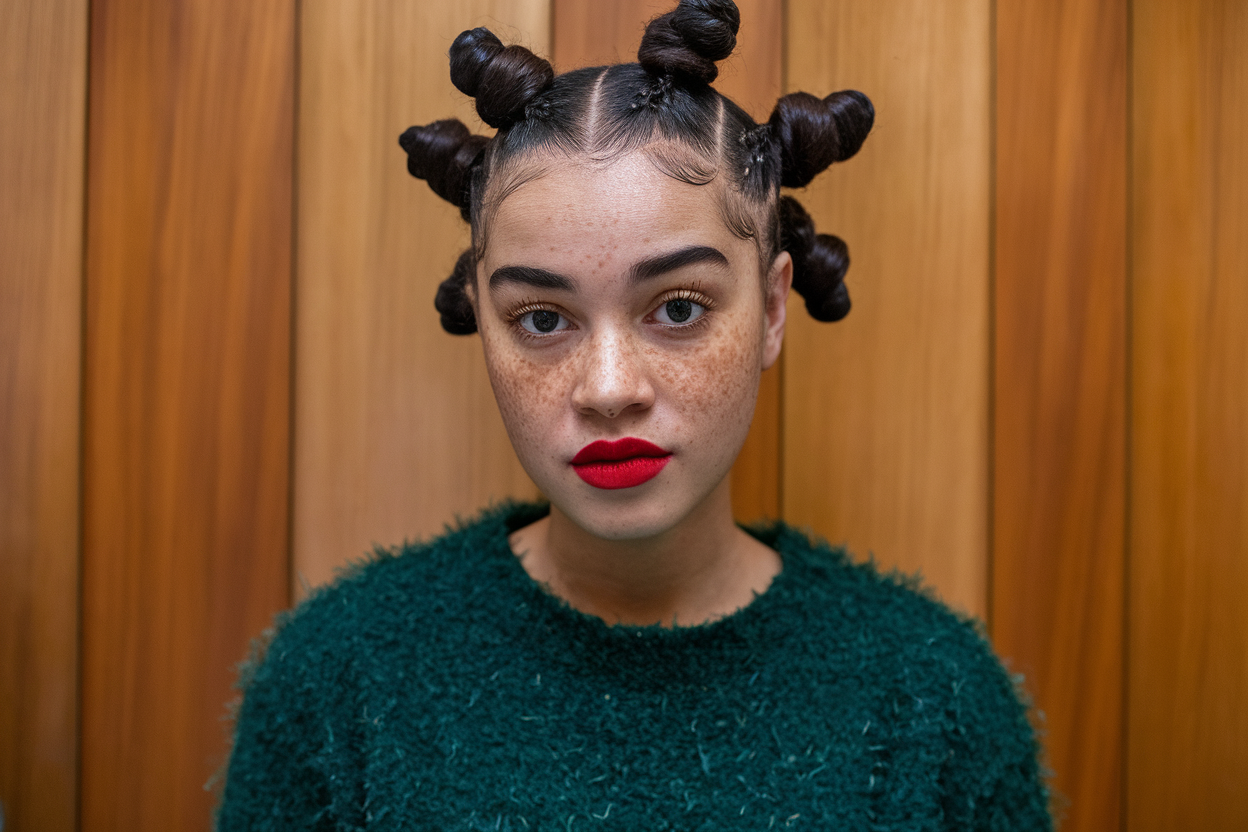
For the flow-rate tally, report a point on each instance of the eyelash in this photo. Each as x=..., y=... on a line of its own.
x=693, y=295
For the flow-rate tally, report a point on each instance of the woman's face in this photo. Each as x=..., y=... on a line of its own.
x=613, y=302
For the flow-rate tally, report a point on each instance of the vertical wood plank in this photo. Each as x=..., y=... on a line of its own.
x=43, y=71
x=1059, y=410
x=886, y=413
x=187, y=389
x=609, y=32
x=1188, y=623
x=606, y=32
x=397, y=431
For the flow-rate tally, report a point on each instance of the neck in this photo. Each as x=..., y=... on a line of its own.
x=702, y=569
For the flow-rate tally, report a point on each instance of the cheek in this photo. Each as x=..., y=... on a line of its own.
x=528, y=393
x=715, y=387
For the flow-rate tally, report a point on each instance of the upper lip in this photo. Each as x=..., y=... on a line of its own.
x=603, y=450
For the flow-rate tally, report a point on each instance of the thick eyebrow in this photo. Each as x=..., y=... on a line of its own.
x=530, y=276
x=641, y=271
x=670, y=262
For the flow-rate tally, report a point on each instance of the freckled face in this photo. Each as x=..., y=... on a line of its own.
x=614, y=302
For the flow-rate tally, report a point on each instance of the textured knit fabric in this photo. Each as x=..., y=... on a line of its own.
x=439, y=687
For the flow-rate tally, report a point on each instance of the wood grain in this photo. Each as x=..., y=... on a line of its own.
x=609, y=32
x=1059, y=408
x=186, y=392
x=397, y=432
x=604, y=32
x=43, y=73
x=1187, y=749
x=886, y=413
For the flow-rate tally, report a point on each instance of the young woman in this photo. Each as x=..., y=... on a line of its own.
x=627, y=657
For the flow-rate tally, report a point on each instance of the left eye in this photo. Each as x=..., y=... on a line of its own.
x=679, y=311
x=543, y=321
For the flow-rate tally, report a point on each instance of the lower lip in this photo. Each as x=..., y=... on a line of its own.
x=624, y=473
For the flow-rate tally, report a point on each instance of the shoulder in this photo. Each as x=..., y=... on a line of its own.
x=882, y=610
x=416, y=571
x=948, y=697
x=392, y=590
x=949, y=705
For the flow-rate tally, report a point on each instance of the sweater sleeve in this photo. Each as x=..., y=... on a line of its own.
x=286, y=742
x=992, y=776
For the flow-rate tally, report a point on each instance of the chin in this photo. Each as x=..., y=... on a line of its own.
x=631, y=520
x=632, y=514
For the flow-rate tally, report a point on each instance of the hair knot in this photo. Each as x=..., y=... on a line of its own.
x=444, y=154
x=819, y=263
x=503, y=79
x=813, y=132
x=690, y=40
x=452, y=302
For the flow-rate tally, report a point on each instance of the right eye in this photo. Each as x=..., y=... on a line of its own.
x=542, y=321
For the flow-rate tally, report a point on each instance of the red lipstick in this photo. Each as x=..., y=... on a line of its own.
x=623, y=463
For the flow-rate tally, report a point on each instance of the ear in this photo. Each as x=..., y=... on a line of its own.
x=779, y=281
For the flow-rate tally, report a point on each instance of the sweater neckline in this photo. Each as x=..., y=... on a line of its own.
x=515, y=516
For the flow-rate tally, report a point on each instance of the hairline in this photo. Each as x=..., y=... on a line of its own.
x=535, y=164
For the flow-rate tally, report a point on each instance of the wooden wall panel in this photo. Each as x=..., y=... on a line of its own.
x=43, y=72
x=605, y=32
x=1059, y=409
x=609, y=32
x=886, y=413
x=396, y=427
x=1188, y=624
x=187, y=389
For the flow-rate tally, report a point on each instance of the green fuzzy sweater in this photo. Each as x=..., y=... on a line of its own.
x=439, y=687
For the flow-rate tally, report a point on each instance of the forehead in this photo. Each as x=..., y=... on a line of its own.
x=570, y=204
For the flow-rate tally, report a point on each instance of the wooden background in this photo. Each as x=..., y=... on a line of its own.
x=221, y=374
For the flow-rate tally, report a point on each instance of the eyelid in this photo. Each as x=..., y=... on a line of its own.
x=516, y=313
x=685, y=294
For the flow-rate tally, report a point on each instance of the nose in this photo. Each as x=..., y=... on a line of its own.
x=613, y=377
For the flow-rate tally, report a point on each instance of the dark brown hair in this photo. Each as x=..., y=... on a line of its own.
x=662, y=105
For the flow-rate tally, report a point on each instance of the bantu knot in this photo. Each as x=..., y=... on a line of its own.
x=819, y=263
x=452, y=299
x=443, y=154
x=503, y=79
x=690, y=39
x=813, y=133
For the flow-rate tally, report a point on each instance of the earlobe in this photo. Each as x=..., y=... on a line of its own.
x=779, y=281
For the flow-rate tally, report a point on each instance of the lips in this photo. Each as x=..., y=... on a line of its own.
x=624, y=463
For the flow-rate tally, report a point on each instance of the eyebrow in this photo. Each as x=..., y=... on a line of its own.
x=529, y=276
x=644, y=270
x=664, y=263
